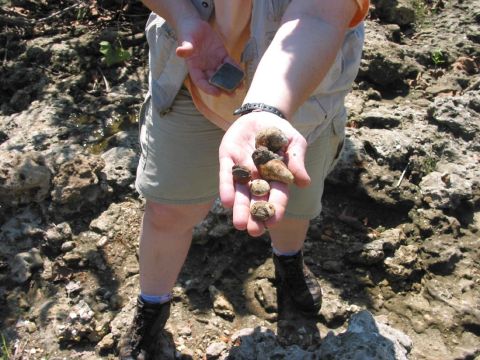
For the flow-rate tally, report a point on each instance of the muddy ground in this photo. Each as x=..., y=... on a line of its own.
x=398, y=236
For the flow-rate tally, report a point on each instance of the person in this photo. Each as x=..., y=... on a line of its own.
x=300, y=59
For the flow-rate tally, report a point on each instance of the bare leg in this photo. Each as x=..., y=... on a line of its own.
x=165, y=238
x=289, y=235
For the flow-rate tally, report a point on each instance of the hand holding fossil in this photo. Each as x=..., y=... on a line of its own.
x=237, y=147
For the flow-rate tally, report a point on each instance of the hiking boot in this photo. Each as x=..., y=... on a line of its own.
x=140, y=341
x=294, y=278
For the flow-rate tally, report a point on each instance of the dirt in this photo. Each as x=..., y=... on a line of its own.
x=390, y=239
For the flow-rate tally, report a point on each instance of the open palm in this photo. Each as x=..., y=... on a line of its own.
x=204, y=51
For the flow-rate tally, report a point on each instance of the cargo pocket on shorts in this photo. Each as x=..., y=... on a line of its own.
x=142, y=130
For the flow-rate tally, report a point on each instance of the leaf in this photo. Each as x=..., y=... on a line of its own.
x=113, y=55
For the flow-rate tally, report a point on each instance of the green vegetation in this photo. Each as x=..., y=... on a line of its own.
x=429, y=164
x=81, y=13
x=438, y=58
x=113, y=54
x=421, y=11
x=5, y=351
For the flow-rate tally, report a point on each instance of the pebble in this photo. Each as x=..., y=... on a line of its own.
x=68, y=246
x=102, y=242
x=221, y=305
x=106, y=344
x=214, y=350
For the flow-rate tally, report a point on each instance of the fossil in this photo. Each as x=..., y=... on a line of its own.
x=262, y=210
x=272, y=138
x=259, y=187
x=241, y=174
x=276, y=170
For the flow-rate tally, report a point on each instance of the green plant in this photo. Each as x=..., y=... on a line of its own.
x=113, y=54
x=428, y=165
x=438, y=58
x=81, y=13
x=421, y=11
x=5, y=351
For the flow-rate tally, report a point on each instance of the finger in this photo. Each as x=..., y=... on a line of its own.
x=255, y=227
x=241, y=206
x=185, y=49
x=279, y=199
x=227, y=189
x=296, y=162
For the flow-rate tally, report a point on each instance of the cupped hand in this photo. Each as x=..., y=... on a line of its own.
x=237, y=147
x=203, y=50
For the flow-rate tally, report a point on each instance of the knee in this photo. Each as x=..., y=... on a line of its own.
x=173, y=218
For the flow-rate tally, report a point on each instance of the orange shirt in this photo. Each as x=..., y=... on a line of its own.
x=232, y=22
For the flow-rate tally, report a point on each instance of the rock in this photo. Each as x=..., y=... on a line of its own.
x=68, y=246
x=404, y=263
x=73, y=288
x=200, y=232
x=434, y=221
x=450, y=186
x=391, y=146
x=29, y=326
x=79, y=185
x=120, y=166
x=456, y=115
x=123, y=319
x=118, y=219
x=22, y=229
x=214, y=350
x=125, y=139
x=335, y=311
x=24, y=178
x=220, y=230
x=378, y=119
x=105, y=345
x=58, y=234
x=23, y=265
x=221, y=306
x=79, y=325
x=394, y=33
x=265, y=293
x=73, y=259
x=131, y=266
x=350, y=164
x=392, y=239
x=400, y=12
x=440, y=255
x=58, y=154
x=445, y=85
x=365, y=338
x=366, y=254
x=250, y=342
x=384, y=63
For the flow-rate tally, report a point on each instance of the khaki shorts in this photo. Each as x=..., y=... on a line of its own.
x=179, y=160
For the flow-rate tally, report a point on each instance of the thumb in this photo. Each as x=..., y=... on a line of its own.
x=185, y=49
x=296, y=163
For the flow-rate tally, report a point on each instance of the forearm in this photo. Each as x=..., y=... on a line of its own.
x=173, y=11
x=299, y=56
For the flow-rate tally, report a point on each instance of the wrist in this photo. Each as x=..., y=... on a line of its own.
x=258, y=107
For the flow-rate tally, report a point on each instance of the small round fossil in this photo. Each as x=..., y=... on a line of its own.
x=262, y=210
x=272, y=138
x=259, y=187
x=241, y=174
